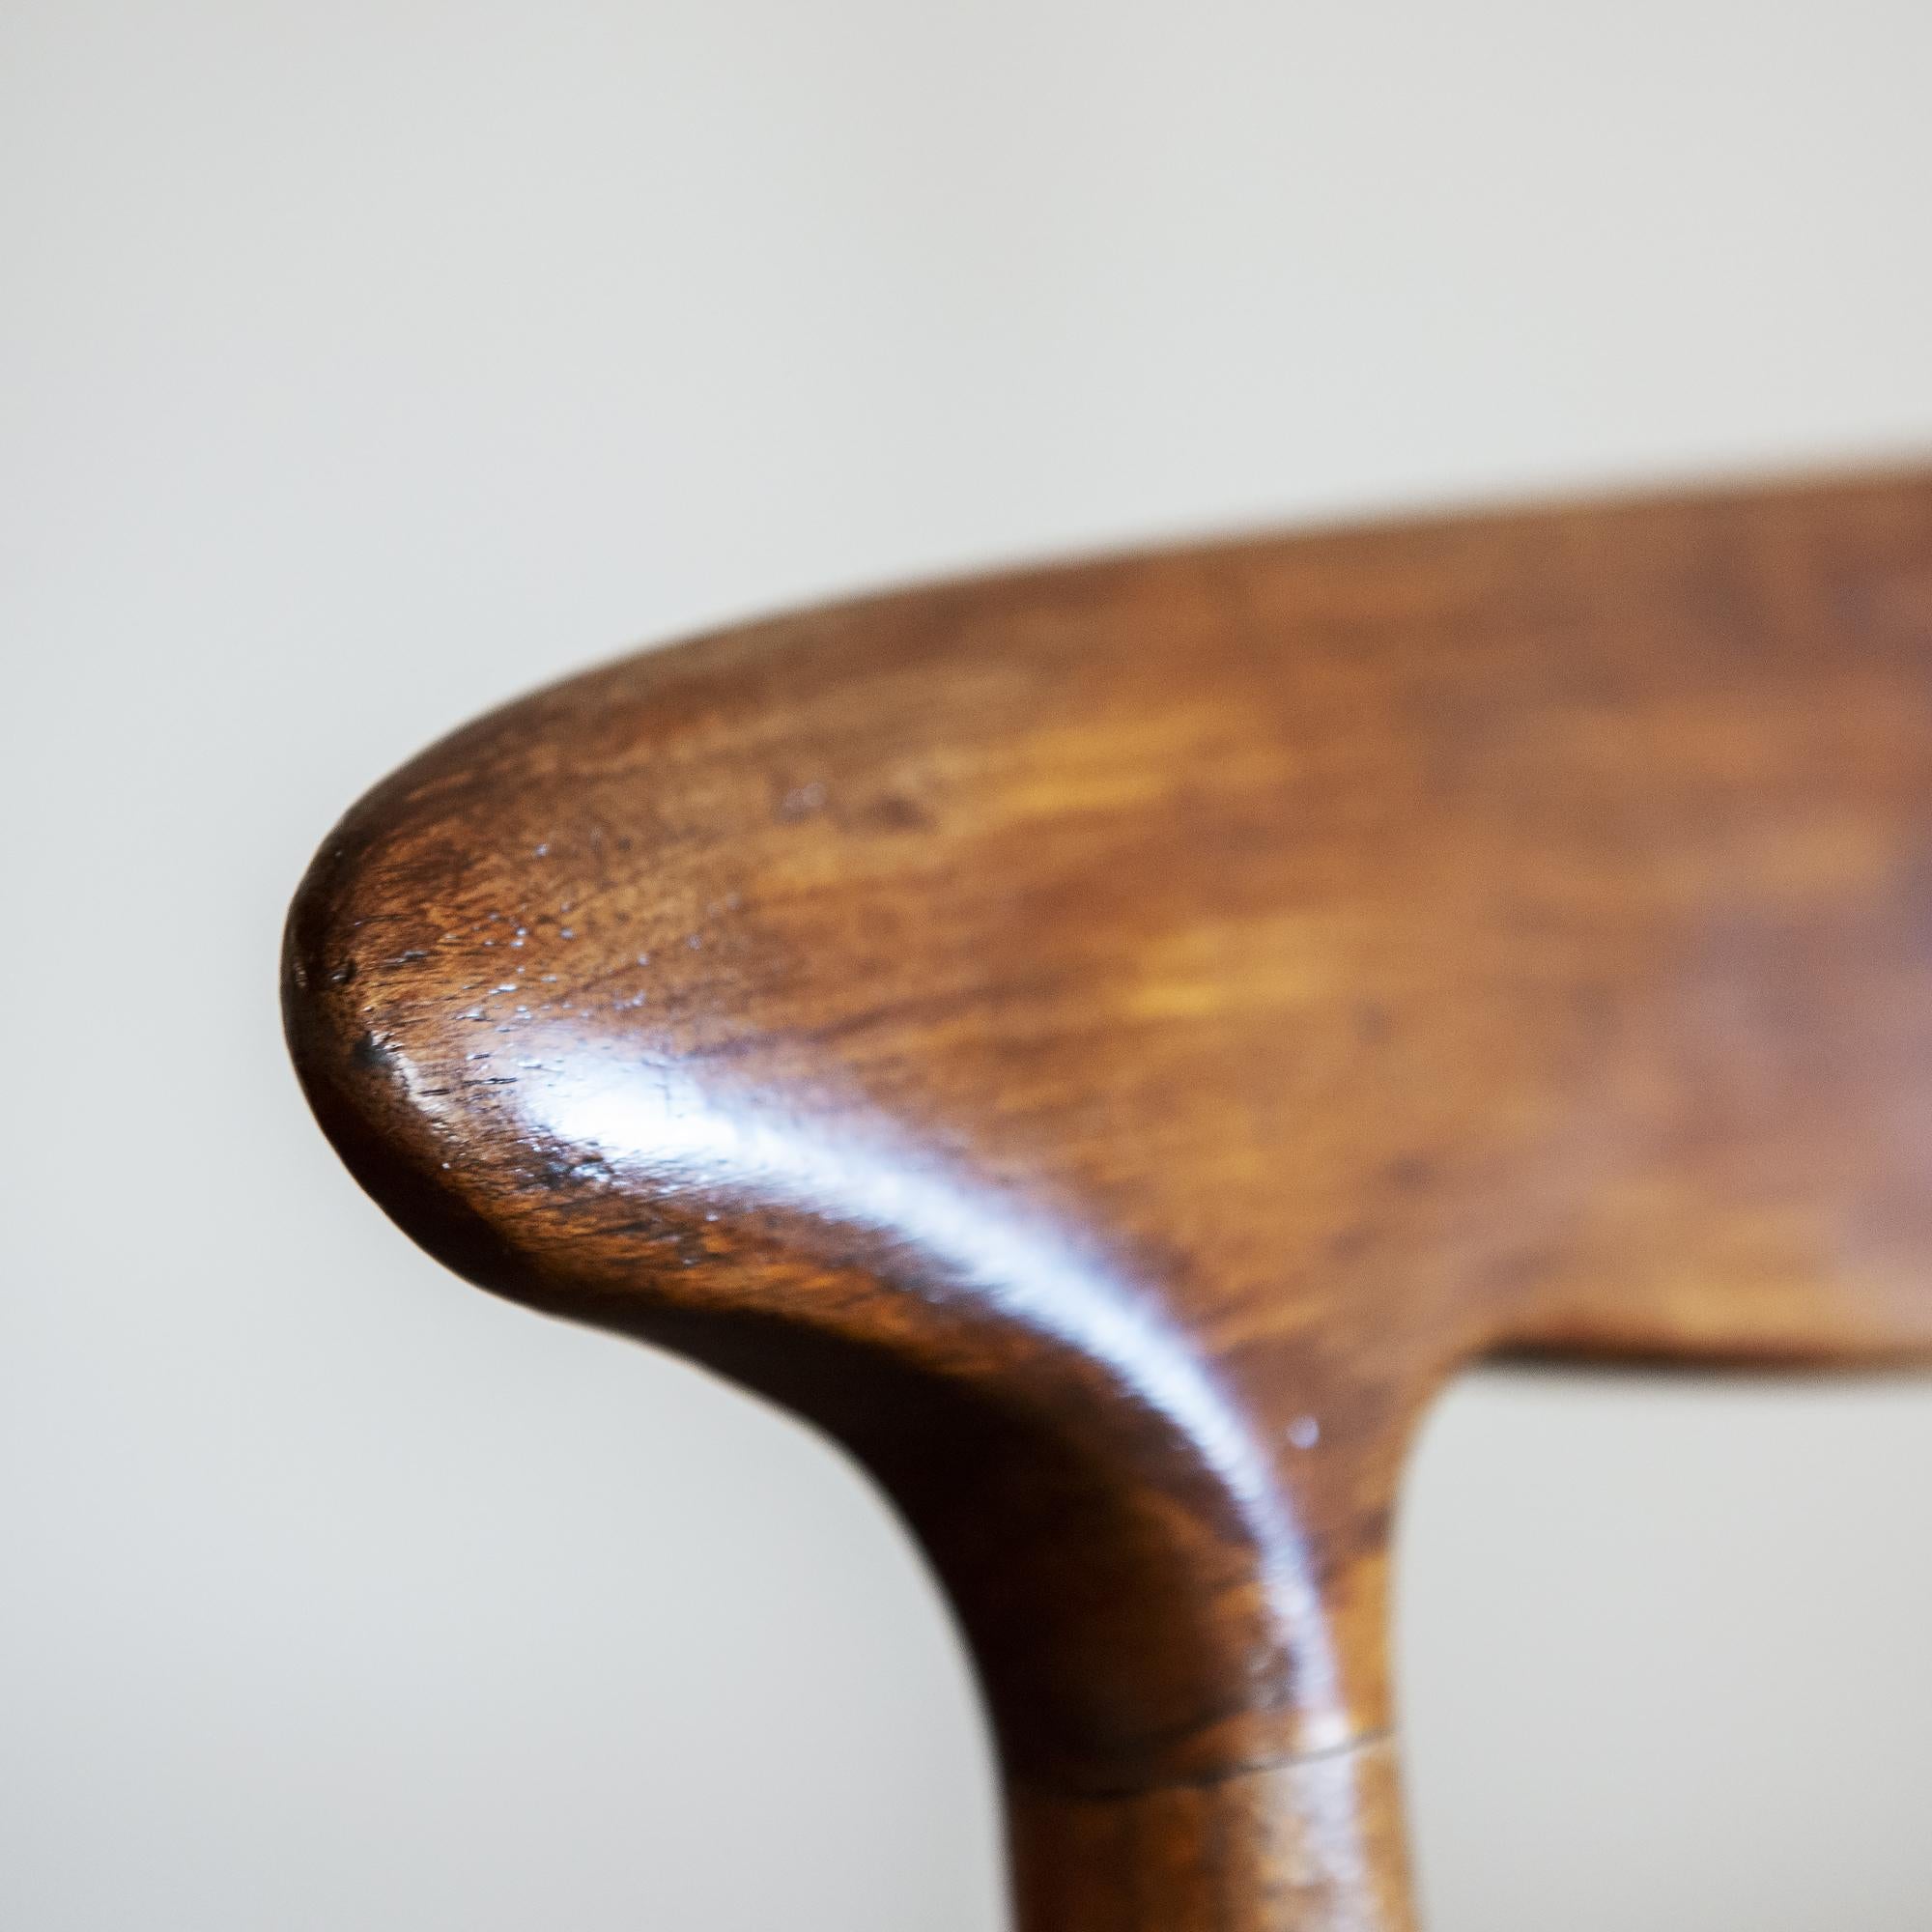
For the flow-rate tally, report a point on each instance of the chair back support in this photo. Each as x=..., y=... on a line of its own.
x=1106, y=1042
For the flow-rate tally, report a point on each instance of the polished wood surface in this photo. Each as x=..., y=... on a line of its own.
x=1106, y=1042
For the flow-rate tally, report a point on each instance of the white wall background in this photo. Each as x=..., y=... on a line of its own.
x=362, y=364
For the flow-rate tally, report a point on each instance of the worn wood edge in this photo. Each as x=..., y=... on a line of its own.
x=1018, y=1452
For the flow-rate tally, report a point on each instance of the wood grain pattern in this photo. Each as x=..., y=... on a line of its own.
x=1106, y=1042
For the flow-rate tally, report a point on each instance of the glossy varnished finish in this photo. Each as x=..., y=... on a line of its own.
x=1106, y=1042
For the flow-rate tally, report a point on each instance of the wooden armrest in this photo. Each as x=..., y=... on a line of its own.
x=1106, y=1042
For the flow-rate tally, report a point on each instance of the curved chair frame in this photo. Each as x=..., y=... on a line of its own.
x=1106, y=1042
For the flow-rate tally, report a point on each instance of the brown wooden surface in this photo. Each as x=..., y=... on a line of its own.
x=1107, y=1042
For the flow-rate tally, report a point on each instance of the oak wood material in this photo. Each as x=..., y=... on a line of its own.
x=1107, y=1042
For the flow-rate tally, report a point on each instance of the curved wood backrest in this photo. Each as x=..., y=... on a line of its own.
x=1106, y=1042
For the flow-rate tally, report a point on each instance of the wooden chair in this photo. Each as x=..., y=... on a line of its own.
x=1106, y=1042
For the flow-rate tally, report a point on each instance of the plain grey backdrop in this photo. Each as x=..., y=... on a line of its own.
x=363, y=364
